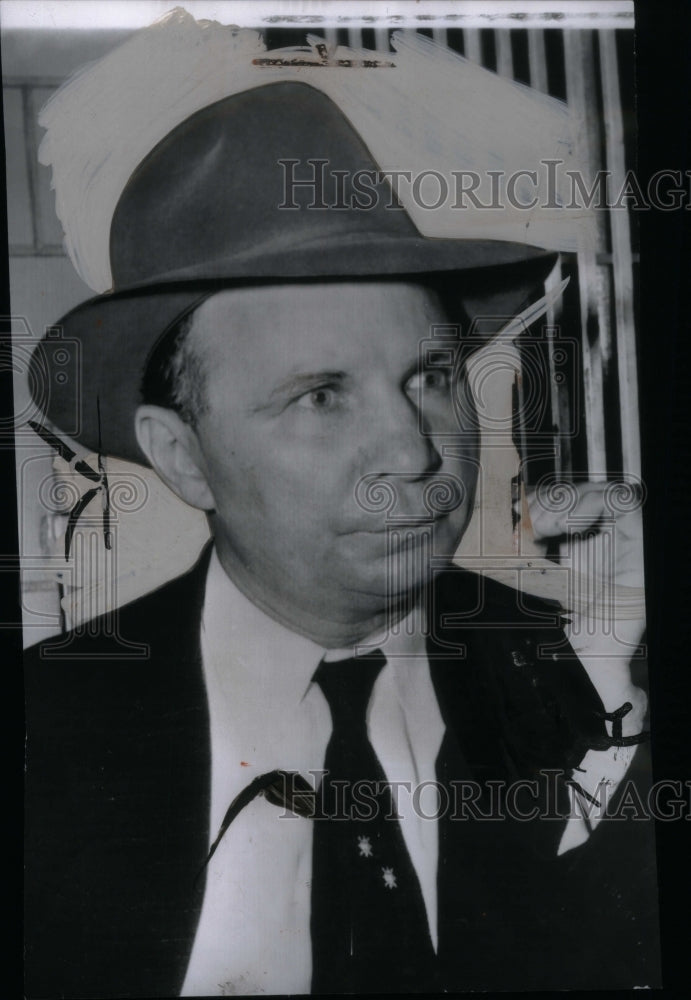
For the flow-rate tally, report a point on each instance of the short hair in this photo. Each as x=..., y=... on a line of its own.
x=176, y=376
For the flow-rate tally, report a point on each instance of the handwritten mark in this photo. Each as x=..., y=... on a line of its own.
x=320, y=53
x=84, y=469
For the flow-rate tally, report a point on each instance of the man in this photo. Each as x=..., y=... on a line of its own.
x=267, y=365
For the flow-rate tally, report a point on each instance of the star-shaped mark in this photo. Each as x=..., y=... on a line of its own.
x=389, y=878
x=365, y=847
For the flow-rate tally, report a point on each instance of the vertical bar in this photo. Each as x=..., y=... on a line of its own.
x=381, y=40
x=559, y=397
x=502, y=38
x=537, y=59
x=622, y=262
x=31, y=161
x=519, y=414
x=582, y=99
x=331, y=37
x=439, y=36
x=355, y=38
x=19, y=215
x=472, y=46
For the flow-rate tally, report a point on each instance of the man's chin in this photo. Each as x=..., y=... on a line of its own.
x=392, y=577
x=381, y=569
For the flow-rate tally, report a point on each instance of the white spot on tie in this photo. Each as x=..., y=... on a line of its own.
x=389, y=878
x=365, y=847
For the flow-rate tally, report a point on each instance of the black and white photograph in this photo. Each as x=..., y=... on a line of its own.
x=326, y=361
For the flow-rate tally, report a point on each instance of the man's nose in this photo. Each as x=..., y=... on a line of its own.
x=396, y=443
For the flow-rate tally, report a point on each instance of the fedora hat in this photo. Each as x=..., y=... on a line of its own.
x=263, y=186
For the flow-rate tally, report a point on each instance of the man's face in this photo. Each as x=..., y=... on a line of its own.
x=313, y=390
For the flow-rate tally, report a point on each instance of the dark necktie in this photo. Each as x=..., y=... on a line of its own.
x=368, y=923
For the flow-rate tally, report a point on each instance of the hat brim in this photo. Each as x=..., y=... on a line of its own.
x=113, y=335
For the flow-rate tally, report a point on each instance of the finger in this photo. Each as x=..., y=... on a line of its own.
x=560, y=507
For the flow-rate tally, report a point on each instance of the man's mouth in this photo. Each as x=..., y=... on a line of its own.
x=396, y=536
x=401, y=522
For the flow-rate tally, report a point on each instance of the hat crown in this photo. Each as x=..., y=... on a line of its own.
x=212, y=198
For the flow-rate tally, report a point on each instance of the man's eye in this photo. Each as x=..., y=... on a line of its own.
x=323, y=398
x=432, y=380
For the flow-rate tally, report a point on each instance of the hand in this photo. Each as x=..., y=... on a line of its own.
x=600, y=528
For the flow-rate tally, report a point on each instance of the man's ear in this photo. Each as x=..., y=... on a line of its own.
x=173, y=450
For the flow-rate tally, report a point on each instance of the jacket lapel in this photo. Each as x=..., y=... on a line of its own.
x=510, y=688
x=509, y=715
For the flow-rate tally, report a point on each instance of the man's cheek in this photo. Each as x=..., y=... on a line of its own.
x=241, y=501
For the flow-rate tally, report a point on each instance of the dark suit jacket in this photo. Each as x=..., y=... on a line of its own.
x=118, y=779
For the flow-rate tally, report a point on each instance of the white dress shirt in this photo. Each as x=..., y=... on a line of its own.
x=254, y=934
x=265, y=714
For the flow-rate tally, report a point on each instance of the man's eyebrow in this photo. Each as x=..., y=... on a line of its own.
x=295, y=385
